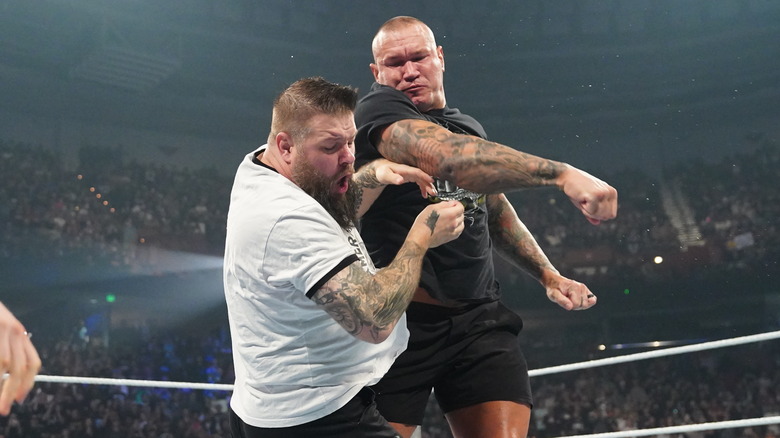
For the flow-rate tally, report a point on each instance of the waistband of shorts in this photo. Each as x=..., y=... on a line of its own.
x=424, y=311
x=366, y=395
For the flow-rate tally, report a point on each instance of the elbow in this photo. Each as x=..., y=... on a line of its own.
x=451, y=169
x=374, y=335
x=373, y=340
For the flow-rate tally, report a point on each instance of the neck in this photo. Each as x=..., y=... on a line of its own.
x=268, y=158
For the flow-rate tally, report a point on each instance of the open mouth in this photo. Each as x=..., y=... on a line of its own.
x=343, y=183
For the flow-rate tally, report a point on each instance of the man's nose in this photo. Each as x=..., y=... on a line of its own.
x=410, y=71
x=348, y=156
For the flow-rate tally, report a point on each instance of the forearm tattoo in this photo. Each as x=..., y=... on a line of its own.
x=367, y=305
x=467, y=161
x=364, y=179
x=512, y=239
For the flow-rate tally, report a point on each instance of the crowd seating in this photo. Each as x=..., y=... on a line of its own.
x=109, y=209
x=55, y=410
x=710, y=386
x=112, y=207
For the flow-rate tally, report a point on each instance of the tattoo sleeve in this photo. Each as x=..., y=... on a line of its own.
x=366, y=178
x=512, y=239
x=368, y=186
x=467, y=161
x=368, y=306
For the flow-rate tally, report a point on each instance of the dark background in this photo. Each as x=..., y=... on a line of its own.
x=605, y=85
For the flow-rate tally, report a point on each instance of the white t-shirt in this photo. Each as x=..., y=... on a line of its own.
x=293, y=363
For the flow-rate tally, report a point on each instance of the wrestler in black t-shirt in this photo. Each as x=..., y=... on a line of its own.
x=459, y=271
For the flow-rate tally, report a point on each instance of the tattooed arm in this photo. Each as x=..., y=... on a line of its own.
x=515, y=243
x=487, y=167
x=369, y=305
x=372, y=178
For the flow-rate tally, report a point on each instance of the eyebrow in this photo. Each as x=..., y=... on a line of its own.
x=391, y=58
x=338, y=135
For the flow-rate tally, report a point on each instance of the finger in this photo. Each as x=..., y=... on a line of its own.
x=450, y=206
x=459, y=227
x=29, y=371
x=600, y=207
x=427, y=190
x=413, y=174
x=396, y=179
x=586, y=301
x=19, y=367
x=458, y=206
x=11, y=366
x=5, y=362
x=422, y=179
x=614, y=205
x=593, y=221
x=585, y=207
x=5, y=352
x=557, y=297
x=5, y=400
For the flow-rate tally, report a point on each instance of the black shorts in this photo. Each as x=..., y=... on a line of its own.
x=359, y=418
x=467, y=356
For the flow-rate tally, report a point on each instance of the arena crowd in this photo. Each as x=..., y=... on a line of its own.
x=112, y=209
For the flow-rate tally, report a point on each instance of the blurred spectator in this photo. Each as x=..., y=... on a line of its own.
x=119, y=210
x=113, y=211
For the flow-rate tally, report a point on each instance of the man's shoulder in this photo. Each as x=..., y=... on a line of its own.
x=381, y=92
x=384, y=105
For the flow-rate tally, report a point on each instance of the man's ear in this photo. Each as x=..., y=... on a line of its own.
x=440, y=51
x=374, y=71
x=285, y=144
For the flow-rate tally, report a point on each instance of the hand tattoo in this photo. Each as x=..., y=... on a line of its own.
x=432, y=219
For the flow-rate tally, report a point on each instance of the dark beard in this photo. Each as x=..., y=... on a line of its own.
x=343, y=208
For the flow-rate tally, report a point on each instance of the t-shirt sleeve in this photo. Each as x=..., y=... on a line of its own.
x=305, y=249
x=379, y=108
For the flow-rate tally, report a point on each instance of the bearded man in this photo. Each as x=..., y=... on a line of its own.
x=313, y=323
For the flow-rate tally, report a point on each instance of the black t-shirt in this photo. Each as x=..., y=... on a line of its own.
x=459, y=271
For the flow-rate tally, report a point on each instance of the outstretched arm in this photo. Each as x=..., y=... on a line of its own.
x=488, y=167
x=369, y=306
x=515, y=243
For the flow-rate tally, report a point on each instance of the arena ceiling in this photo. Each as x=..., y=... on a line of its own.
x=559, y=72
x=211, y=68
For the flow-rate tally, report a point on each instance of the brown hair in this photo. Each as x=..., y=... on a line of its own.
x=306, y=98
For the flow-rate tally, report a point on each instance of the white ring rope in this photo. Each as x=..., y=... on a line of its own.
x=761, y=421
x=134, y=382
x=658, y=353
